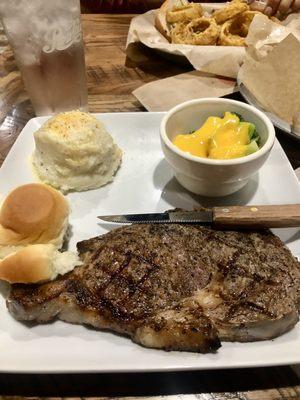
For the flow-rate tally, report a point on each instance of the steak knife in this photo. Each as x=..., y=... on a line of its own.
x=275, y=216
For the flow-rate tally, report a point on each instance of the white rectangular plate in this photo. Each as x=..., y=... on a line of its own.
x=143, y=184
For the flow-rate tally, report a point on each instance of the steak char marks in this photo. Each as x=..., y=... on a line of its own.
x=177, y=287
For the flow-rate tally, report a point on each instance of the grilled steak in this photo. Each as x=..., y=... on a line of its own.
x=177, y=287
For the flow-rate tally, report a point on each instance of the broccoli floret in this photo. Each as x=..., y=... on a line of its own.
x=239, y=116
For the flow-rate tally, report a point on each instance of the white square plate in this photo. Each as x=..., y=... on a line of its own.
x=143, y=184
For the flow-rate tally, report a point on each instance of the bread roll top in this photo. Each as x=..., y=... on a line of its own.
x=33, y=213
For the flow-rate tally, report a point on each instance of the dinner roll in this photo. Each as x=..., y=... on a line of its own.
x=32, y=214
x=37, y=263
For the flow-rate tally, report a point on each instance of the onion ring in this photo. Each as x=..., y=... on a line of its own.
x=200, y=31
x=229, y=36
x=229, y=11
x=234, y=31
x=184, y=13
x=178, y=34
x=203, y=31
x=244, y=20
x=228, y=26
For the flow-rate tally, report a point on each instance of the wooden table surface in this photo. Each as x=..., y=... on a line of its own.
x=111, y=80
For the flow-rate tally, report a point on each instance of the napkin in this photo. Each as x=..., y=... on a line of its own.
x=218, y=60
x=264, y=34
x=271, y=72
x=163, y=94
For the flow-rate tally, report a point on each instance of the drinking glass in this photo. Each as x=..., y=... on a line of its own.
x=47, y=42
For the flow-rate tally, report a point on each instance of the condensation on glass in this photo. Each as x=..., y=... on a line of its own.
x=47, y=41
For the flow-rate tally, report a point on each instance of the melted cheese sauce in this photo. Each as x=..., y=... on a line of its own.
x=218, y=138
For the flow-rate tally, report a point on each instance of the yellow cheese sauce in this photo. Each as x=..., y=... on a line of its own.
x=220, y=138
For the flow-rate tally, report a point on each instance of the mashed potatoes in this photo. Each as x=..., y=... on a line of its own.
x=75, y=152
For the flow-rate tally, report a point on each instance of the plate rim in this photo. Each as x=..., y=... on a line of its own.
x=138, y=369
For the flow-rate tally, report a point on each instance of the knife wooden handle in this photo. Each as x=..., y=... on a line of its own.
x=281, y=216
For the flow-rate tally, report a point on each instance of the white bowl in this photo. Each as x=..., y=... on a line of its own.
x=209, y=177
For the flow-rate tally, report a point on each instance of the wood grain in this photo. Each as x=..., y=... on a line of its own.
x=119, y=6
x=275, y=216
x=111, y=79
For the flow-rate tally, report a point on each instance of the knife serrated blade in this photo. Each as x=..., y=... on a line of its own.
x=265, y=216
x=203, y=217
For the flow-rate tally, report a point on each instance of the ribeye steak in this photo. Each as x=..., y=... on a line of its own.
x=177, y=287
